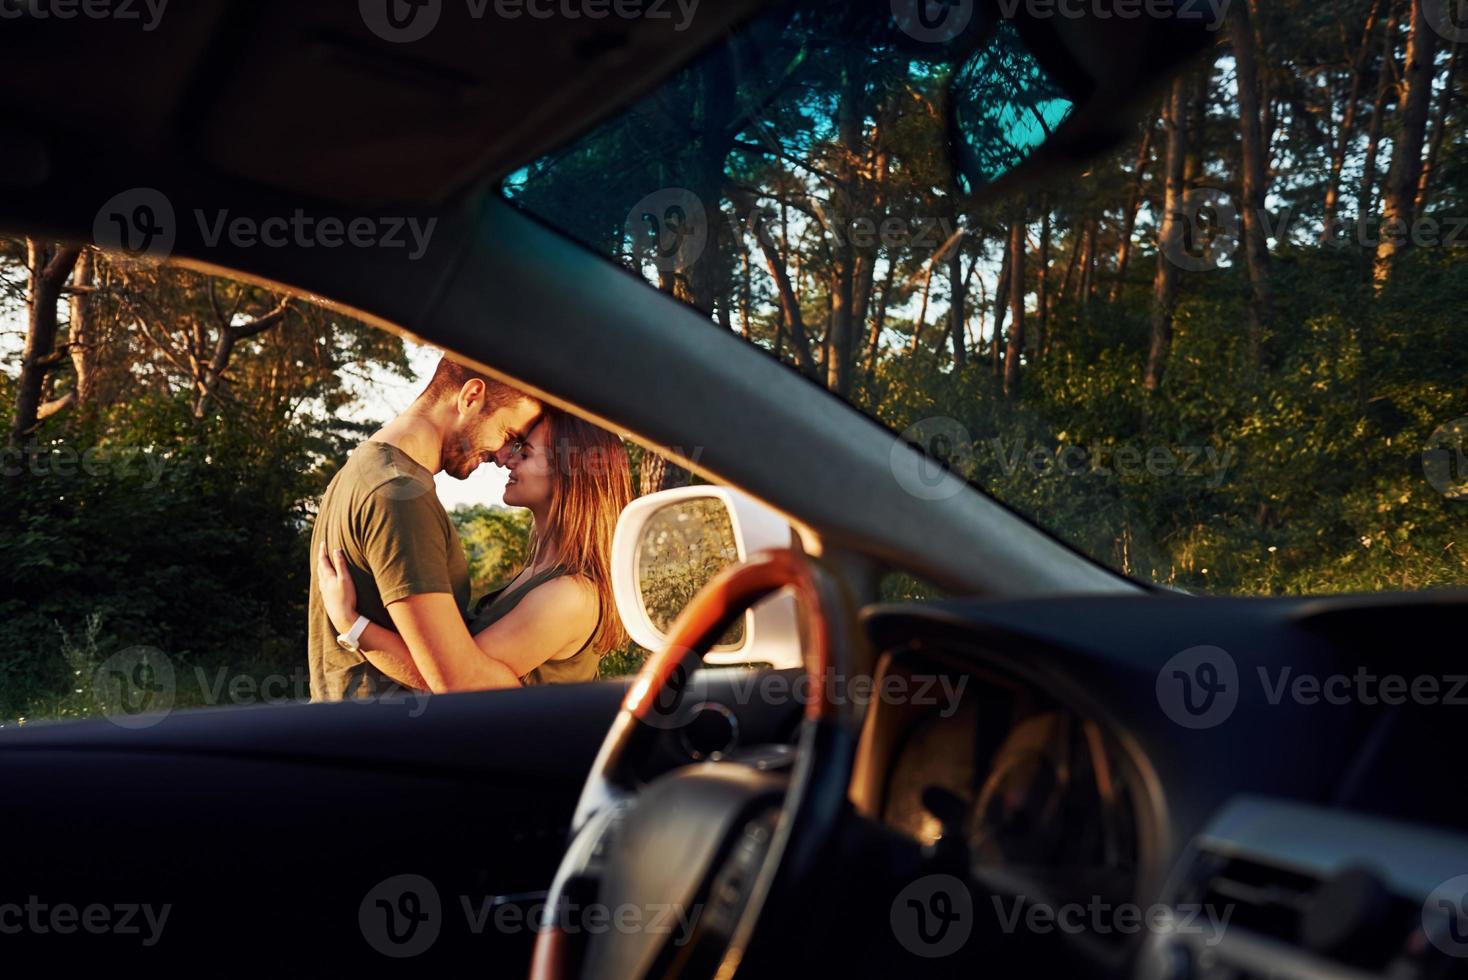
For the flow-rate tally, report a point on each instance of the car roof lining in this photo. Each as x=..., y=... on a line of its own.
x=305, y=98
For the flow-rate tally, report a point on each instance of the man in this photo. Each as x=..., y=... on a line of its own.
x=404, y=555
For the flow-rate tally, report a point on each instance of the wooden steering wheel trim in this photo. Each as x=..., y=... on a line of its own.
x=712, y=611
x=717, y=606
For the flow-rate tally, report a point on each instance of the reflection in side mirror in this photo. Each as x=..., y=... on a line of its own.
x=1033, y=90
x=1004, y=106
x=669, y=545
x=683, y=545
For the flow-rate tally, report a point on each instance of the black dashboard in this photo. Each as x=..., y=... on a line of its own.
x=1285, y=766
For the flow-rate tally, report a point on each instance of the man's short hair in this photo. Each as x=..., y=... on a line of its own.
x=450, y=377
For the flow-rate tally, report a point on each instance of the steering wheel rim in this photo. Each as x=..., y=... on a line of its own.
x=816, y=795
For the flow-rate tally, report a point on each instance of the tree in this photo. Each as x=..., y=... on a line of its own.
x=1133, y=204
x=1347, y=129
x=1399, y=202
x=1253, y=177
x=48, y=265
x=1016, y=344
x=1169, y=234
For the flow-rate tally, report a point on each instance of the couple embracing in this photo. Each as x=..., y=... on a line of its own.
x=389, y=607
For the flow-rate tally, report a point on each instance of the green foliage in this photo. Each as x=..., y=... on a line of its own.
x=1303, y=479
x=683, y=546
x=150, y=518
x=185, y=535
x=496, y=541
x=1295, y=470
x=623, y=662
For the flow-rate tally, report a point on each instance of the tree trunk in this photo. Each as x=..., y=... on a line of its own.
x=1195, y=123
x=657, y=473
x=849, y=268
x=744, y=295
x=1439, y=130
x=1385, y=85
x=922, y=317
x=1348, y=122
x=1016, y=343
x=879, y=321
x=1397, y=213
x=866, y=277
x=48, y=267
x=208, y=378
x=1129, y=217
x=790, y=314
x=81, y=334
x=840, y=332
x=1078, y=237
x=956, y=308
x=708, y=273
x=1042, y=277
x=1001, y=310
x=1086, y=288
x=1169, y=235
x=1253, y=181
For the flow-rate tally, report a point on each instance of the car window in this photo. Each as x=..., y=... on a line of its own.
x=170, y=439
x=1226, y=355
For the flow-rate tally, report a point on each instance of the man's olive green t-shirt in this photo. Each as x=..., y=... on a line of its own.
x=382, y=510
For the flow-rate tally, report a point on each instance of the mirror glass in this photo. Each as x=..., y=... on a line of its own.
x=683, y=545
x=1004, y=105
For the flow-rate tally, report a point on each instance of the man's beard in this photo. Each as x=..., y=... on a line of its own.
x=459, y=458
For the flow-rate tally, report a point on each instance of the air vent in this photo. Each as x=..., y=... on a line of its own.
x=1350, y=918
x=1264, y=899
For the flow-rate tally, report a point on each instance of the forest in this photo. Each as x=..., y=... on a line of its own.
x=1226, y=356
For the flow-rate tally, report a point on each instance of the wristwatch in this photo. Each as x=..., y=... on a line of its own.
x=352, y=638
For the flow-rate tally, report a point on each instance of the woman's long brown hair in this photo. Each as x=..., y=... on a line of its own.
x=592, y=485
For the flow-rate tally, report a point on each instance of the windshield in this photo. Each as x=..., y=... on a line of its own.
x=1208, y=359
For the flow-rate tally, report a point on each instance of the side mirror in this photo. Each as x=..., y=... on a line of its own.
x=668, y=545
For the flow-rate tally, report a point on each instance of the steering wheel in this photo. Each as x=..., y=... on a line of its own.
x=724, y=841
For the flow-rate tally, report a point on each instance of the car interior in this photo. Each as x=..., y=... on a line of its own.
x=1044, y=766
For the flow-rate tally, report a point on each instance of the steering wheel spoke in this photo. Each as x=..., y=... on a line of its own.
x=708, y=846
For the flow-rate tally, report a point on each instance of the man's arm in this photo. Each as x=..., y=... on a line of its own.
x=432, y=628
x=386, y=651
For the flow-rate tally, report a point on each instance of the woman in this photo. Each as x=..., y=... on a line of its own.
x=555, y=620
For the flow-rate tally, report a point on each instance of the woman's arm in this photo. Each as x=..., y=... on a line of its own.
x=383, y=648
x=552, y=621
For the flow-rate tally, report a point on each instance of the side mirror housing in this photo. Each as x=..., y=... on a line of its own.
x=669, y=544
